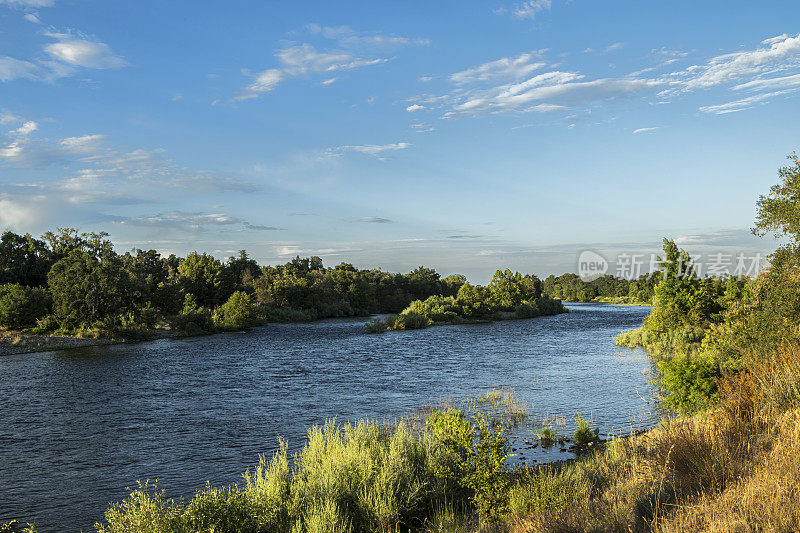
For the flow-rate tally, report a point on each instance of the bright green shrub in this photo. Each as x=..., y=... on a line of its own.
x=584, y=436
x=22, y=307
x=479, y=447
x=377, y=325
x=690, y=383
x=237, y=313
x=410, y=320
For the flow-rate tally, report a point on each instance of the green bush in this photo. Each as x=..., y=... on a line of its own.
x=546, y=491
x=690, y=383
x=584, y=436
x=377, y=325
x=21, y=307
x=193, y=319
x=410, y=320
x=479, y=447
x=236, y=314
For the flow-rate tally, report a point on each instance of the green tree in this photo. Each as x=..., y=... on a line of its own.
x=201, y=276
x=23, y=260
x=21, y=307
x=87, y=289
x=237, y=313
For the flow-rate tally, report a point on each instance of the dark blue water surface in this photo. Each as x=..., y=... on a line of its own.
x=77, y=427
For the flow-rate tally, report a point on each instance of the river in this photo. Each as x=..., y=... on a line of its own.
x=77, y=427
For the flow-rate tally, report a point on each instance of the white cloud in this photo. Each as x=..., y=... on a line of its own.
x=32, y=17
x=28, y=3
x=194, y=222
x=375, y=150
x=375, y=220
x=614, y=47
x=415, y=107
x=26, y=129
x=86, y=54
x=771, y=83
x=355, y=50
x=645, y=130
x=740, y=105
x=299, y=60
x=778, y=52
x=12, y=69
x=506, y=68
x=83, y=144
x=528, y=9
x=18, y=215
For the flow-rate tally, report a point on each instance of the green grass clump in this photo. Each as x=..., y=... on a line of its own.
x=360, y=477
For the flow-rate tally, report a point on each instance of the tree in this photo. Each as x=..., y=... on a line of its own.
x=201, y=276
x=23, y=260
x=237, y=313
x=780, y=211
x=20, y=306
x=87, y=289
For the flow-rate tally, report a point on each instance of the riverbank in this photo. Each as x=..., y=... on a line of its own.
x=621, y=300
x=18, y=342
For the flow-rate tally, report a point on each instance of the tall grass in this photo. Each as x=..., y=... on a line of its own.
x=360, y=477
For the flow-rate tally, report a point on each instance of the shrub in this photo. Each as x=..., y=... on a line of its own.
x=21, y=307
x=361, y=477
x=584, y=436
x=410, y=320
x=479, y=447
x=193, y=319
x=546, y=491
x=377, y=325
x=690, y=383
x=547, y=436
x=236, y=314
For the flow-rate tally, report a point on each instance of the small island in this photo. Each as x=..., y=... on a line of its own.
x=508, y=296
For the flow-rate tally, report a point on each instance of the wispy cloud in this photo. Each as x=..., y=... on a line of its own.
x=194, y=222
x=28, y=3
x=351, y=50
x=741, y=104
x=527, y=9
x=70, y=52
x=511, y=84
x=92, y=162
x=506, y=68
x=645, y=130
x=375, y=220
x=375, y=150
x=83, y=53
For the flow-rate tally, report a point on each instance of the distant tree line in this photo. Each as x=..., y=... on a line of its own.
x=75, y=283
x=571, y=288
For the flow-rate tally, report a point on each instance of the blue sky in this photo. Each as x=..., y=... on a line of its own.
x=463, y=136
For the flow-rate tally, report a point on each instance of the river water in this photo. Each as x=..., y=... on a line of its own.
x=77, y=427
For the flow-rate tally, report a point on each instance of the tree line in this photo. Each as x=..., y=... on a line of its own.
x=68, y=282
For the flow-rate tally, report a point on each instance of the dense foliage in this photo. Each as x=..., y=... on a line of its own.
x=607, y=288
x=70, y=282
x=706, y=328
x=508, y=295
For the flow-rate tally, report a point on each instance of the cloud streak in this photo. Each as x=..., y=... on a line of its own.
x=352, y=51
